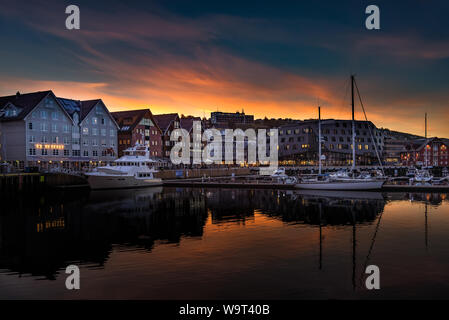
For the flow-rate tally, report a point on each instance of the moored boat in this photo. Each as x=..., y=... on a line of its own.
x=343, y=180
x=133, y=170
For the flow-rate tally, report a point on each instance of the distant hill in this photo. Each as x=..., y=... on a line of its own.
x=400, y=135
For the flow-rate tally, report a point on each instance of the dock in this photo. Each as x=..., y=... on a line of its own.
x=227, y=183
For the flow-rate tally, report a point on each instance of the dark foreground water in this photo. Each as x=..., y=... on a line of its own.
x=177, y=243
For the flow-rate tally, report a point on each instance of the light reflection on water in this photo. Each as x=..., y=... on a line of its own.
x=181, y=243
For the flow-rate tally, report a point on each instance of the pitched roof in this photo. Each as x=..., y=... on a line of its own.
x=136, y=116
x=164, y=120
x=70, y=105
x=420, y=143
x=26, y=102
x=187, y=123
x=86, y=107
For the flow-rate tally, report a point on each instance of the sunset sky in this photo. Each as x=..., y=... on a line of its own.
x=274, y=59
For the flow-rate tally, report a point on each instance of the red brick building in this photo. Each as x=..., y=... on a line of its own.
x=138, y=126
x=430, y=152
x=167, y=123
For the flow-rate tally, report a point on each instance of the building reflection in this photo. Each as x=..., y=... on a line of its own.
x=41, y=235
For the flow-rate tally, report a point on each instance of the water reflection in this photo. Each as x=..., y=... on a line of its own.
x=42, y=235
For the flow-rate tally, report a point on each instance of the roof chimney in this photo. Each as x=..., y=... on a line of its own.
x=17, y=93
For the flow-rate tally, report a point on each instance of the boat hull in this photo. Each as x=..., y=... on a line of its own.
x=120, y=182
x=340, y=185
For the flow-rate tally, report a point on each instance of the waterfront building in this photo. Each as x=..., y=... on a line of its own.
x=94, y=134
x=426, y=152
x=167, y=123
x=228, y=117
x=40, y=130
x=196, y=144
x=298, y=142
x=395, y=144
x=138, y=126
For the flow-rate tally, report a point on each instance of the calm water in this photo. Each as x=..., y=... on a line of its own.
x=180, y=243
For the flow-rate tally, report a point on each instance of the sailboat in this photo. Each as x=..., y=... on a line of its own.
x=344, y=182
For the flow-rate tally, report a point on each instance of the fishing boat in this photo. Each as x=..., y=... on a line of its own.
x=342, y=180
x=135, y=169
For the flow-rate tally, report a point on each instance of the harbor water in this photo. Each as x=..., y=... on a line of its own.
x=197, y=243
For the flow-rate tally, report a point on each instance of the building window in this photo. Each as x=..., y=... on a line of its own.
x=55, y=152
x=44, y=152
x=44, y=127
x=54, y=116
x=95, y=131
x=94, y=142
x=111, y=133
x=30, y=125
x=112, y=143
x=76, y=153
x=103, y=142
x=32, y=152
x=43, y=114
x=31, y=139
x=44, y=139
x=103, y=132
x=95, y=153
x=85, y=130
x=86, y=153
x=94, y=120
x=55, y=139
x=66, y=152
x=54, y=128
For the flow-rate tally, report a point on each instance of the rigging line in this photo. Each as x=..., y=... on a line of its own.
x=369, y=129
x=373, y=240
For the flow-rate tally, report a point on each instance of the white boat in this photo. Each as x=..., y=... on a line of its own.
x=281, y=177
x=341, y=184
x=421, y=176
x=133, y=170
x=279, y=172
x=342, y=180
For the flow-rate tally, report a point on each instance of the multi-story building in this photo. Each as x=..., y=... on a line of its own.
x=41, y=130
x=94, y=132
x=194, y=127
x=299, y=142
x=167, y=123
x=395, y=144
x=138, y=127
x=227, y=117
x=426, y=152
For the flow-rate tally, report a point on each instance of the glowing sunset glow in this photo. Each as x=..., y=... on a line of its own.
x=271, y=62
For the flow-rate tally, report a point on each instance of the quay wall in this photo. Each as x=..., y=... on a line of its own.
x=198, y=173
x=36, y=182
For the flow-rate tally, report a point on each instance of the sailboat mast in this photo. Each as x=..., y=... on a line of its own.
x=319, y=140
x=425, y=135
x=353, y=124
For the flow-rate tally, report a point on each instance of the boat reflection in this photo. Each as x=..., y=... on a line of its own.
x=40, y=235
